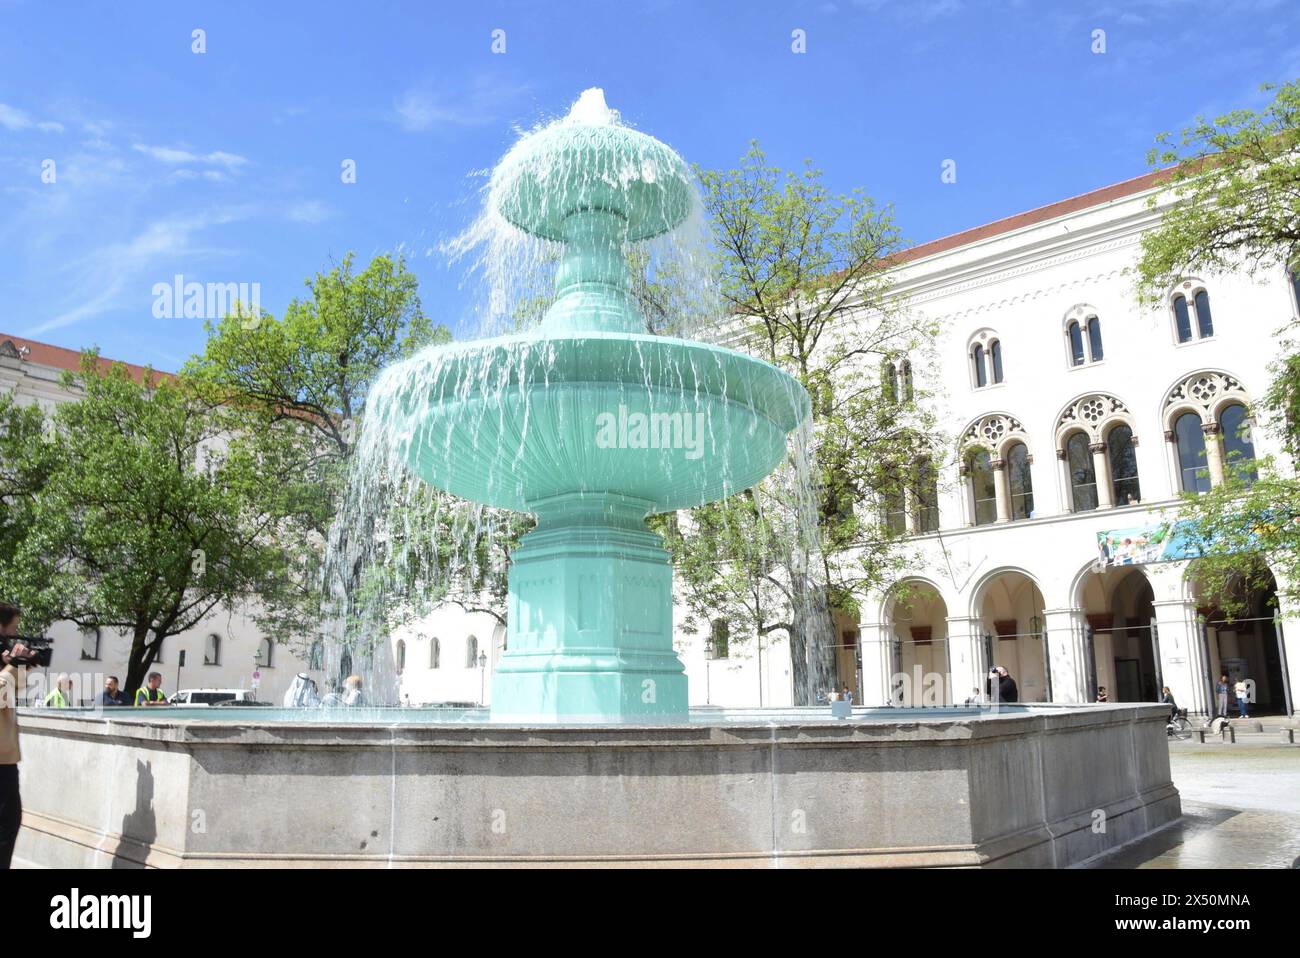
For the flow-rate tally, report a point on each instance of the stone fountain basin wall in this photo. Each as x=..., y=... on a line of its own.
x=1051, y=786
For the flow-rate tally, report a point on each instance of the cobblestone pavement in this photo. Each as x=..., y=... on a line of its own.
x=1241, y=808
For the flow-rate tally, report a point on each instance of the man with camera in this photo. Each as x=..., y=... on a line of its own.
x=11, y=680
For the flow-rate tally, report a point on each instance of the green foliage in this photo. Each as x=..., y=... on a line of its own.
x=1236, y=188
x=803, y=273
x=1236, y=192
x=147, y=515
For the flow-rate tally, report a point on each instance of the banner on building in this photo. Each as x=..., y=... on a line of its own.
x=1166, y=542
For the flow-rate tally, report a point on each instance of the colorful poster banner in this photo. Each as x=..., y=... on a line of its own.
x=1167, y=542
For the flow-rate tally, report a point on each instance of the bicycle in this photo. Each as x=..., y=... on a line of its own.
x=1178, y=727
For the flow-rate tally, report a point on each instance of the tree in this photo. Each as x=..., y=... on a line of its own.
x=302, y=382
x=804, y=279
x=1232, y=202
x=149, y=514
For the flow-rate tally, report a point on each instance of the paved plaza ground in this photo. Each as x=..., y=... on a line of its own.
x=1241, y=807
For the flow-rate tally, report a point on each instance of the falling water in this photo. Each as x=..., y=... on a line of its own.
x=461, y=442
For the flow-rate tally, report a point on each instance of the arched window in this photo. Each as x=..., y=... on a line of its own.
x=907, y=380
x=1189, y=438
x=981, y=374
x=435, y=653
x=1083, y=477
x=1204, y=322
x=1182, y=319
x=1094, y=339
x=401, y=654
x=316, y=656
x=995, y=353
x=1022, y=485
x=1123, y=465
x=265, y=649
x=90, y=644
x=212, y=650
x=979, y=465
x=720, y=639
x=894, y=503
x=925, y=501
x=889, y=382
x=471, y=653
x=1076, y=344
x=1238, y=446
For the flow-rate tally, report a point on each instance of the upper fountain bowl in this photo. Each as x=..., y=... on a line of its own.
x=586, y=162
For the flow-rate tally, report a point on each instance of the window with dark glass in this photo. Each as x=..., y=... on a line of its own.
x=1204, y=322
x=212, y=650
x=995, y=351
x=1238, y=446
x=316, y=655
x=720, y=639
x=1189, y=437
x=1083, y=476
x=265, y=649
x=926, y=497
x=1123, y=465
x=1183, y=318
x=895, y=505
x=1295, y=287
x=907, y=380
x=980, y=467
x=90, y=643
x=889, y=383
x=471, y=653
x=981, y=375
x=1022, y=485
x=1094, y=339
x=1076, y=344
x=435, y=654
x=401, y=654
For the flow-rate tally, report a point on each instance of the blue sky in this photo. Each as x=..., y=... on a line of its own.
x=225, y=166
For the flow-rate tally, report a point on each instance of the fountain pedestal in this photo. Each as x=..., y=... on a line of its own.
x=590, y=632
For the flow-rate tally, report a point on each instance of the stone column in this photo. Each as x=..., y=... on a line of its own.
x=1064, y=653
x=1181, y=664
x=965, y=657
x=1101, y=470
x=1288, y=625
x=1002, y=489
x=1213, y=452
x=877, y=654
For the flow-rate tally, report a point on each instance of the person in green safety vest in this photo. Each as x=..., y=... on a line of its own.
x=152, y=693
x=60, y=696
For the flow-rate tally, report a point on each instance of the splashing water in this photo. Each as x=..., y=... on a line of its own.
x=570, y=427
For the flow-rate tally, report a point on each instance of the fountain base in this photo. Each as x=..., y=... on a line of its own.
x=590, y=636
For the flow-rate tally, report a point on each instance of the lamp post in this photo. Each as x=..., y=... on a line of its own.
x=257, y=671
x=482, y=677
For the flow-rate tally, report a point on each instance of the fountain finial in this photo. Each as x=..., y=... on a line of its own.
x=591, y=109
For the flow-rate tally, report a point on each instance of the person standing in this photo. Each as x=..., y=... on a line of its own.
x=1243, y=693
x=11, y=680
x=111, y=695
x=1221, y=694
x=60, y=696
x=152, y=693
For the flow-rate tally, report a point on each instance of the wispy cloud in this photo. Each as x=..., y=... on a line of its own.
x=426, y=106
x=174, y=156
x=14, y=119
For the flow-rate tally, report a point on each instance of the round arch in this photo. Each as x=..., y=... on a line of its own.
x=1204, y=392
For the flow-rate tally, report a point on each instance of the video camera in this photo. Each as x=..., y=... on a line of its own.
x=39, y=650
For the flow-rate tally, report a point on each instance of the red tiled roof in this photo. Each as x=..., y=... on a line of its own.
x=1043, y=213
x=61, y=358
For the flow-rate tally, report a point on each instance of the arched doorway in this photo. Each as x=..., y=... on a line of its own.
x=1241, y=635
x=1009, y=606
x=1117, y=605
x=917, y=631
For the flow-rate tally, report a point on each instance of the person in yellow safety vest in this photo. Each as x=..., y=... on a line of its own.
x=59, y=697
x=152, y=693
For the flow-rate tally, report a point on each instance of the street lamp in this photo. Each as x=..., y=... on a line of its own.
x=482, y=676
x=257, y=670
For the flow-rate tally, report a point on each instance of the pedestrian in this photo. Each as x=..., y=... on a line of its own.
x=60, y=697
x=352, y=695
x=1168, y=698
x=1221, y=693
x=1000, y=686
x=111, y=695
x=12, y=678
x=847, y=695
x=301, y=693
x=1102, y=695
x=152, y=693
x=973, y=698
x=1243, y=693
